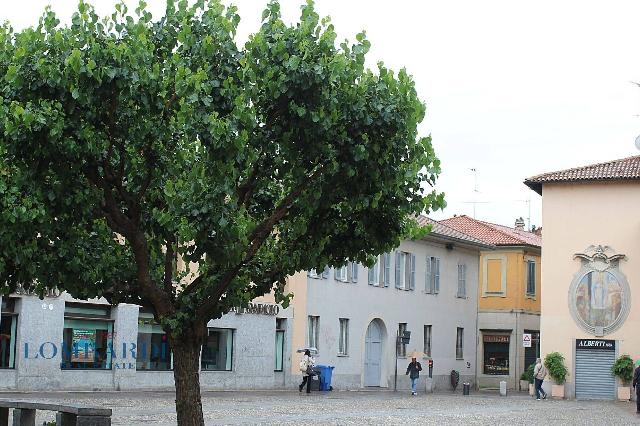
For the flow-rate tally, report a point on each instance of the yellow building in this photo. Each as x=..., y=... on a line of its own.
x=509, y=299
x=591, y=218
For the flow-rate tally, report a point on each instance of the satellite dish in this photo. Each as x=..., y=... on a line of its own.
x=638, y=142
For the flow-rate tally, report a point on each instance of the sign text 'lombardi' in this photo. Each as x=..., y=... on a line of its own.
x=596, y=344
x=258, y=309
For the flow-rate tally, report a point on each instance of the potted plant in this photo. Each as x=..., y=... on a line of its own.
x=554, y=362
x=526, y=380
x=623, y=370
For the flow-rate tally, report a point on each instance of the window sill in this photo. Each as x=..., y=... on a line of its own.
x=343, y=355
x=461, y=297
x=530, y=296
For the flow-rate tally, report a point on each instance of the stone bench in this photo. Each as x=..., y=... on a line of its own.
x=24, y=414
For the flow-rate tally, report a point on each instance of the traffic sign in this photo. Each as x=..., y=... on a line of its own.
x=526, y=340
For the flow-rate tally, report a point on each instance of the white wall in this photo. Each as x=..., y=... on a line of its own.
x=361, y=303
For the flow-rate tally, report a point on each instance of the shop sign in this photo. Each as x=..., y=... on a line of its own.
x=604, y=345
x=495, y=338
x=258, y=309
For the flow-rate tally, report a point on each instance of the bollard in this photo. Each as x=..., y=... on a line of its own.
x=465, y=388
x=503, y=388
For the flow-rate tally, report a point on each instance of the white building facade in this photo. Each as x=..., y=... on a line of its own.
x=353, y=315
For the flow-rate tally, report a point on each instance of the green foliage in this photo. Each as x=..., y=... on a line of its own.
x=554, y=362
x=127, y=143
x=623, y=369
x=528, y=373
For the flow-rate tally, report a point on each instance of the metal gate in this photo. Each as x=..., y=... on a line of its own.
x=593, y=369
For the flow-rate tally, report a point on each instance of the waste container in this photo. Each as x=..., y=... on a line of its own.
x=465, y=388
x=325, y=376
x=316, y=379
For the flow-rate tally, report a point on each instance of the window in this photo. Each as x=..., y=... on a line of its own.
x=462, y=280
x=217, y=351
x=380, y=273
x=8, y=323
x=432, y=275
x=531, y=277
x=401, y=348
x=153, y=353
x=281, y=325
x=496, y=354
x=346, y=273
x=319, y=275
x=87, y=337
x=405, y=270
x=343, y=344
x=459, y=343
x=427, y=340
x=313, y=331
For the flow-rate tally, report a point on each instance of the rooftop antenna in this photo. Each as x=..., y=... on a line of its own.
x=475, y=190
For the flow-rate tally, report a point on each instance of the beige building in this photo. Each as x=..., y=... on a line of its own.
x=591, y=218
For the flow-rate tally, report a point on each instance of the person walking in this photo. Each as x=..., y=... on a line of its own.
x=636, y=385
x=413, y=370
x=306, y=367
x=539, y=373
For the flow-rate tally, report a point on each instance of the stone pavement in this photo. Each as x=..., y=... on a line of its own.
x=347, y=408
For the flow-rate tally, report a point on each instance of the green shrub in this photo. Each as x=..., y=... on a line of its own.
x=528, y=374
x=556, y=368
x=623, y=368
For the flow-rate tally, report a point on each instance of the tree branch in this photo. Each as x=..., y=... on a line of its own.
x=258, y=237
x=169, y=258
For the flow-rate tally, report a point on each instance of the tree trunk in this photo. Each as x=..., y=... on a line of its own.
x=186, y=360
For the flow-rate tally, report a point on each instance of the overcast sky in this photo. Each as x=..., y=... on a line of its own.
x=512, y=88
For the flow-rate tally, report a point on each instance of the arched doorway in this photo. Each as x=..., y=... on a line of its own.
x=373, y=344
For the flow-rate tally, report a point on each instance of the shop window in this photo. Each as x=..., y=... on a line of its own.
x=280, y=330
x=153, y=353
x=401, y=347
x=217, y=352
x=496, y=354
x=427, y=340
x=313, y=325
x=343, y=343
x=87, y=337
x=459, y=343
x=8, y=324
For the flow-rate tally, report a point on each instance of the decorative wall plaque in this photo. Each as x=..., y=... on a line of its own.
x=599, y=296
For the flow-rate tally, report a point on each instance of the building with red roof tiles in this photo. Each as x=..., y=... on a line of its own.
x=591, y=218
x=509, y=298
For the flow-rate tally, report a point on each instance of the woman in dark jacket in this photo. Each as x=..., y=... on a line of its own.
x=636, y=385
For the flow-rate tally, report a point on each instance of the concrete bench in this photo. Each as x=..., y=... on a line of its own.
x=24, y=414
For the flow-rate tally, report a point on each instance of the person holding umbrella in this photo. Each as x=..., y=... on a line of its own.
x=413, y=370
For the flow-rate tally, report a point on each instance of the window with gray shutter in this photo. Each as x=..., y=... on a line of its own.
x=462, y=280
x=398, y=270
x=428, y=280
x=436, y=275
x=354, y=272
x=459, y=343
x=412, y=279
x=531, y=278
x=387, y=269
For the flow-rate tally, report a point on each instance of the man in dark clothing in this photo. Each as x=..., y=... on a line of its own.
x=636, y=386
x=413, y=370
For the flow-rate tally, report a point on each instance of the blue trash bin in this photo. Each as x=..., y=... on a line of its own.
x=325, y=376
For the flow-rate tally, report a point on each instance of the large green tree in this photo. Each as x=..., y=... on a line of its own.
x=128, y=142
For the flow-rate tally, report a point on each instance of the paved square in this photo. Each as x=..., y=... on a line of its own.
x=348, y=408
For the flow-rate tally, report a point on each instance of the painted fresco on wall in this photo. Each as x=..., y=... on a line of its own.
x=599, y=295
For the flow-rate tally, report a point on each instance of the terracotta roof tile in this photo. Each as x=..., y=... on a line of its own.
x=442, y=230
x=492, y=233
x=623, y=169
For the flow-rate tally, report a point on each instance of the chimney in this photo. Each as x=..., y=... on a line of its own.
x=520, y=224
